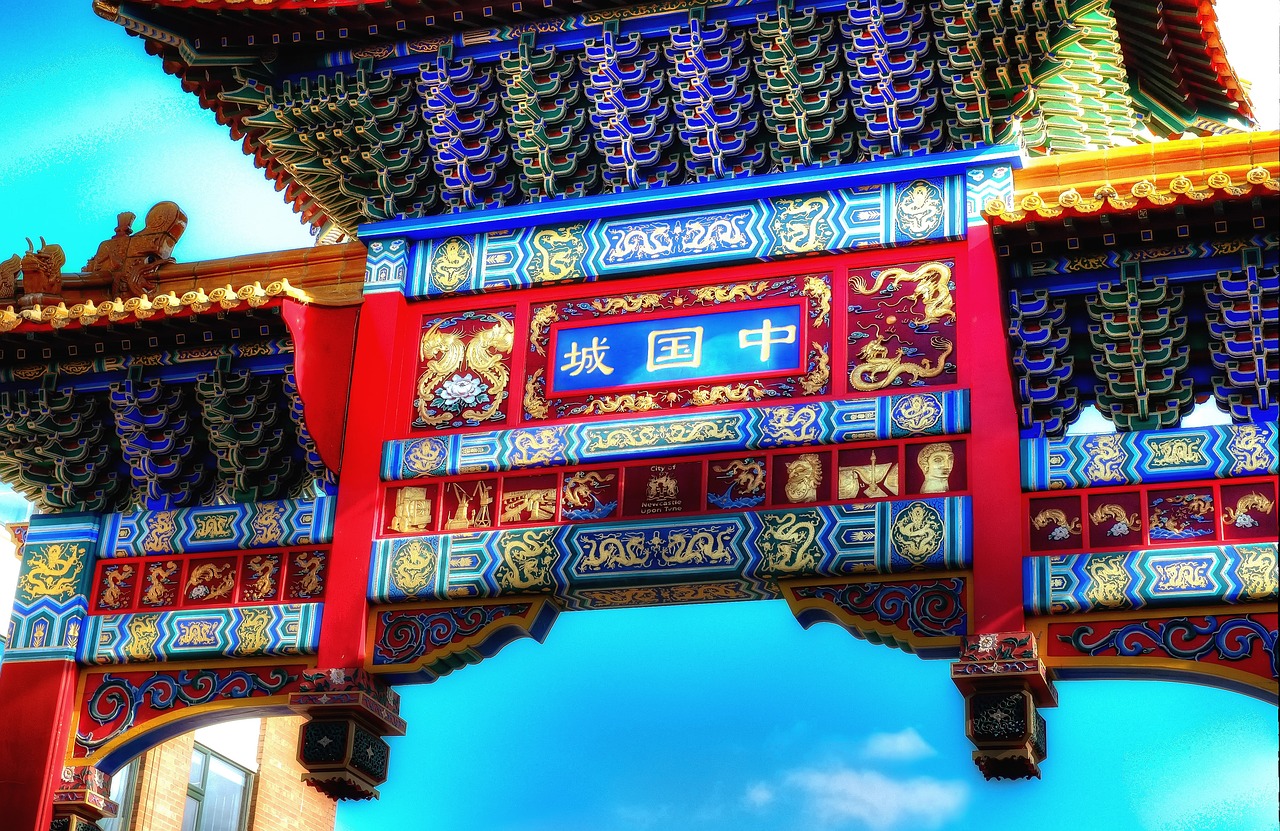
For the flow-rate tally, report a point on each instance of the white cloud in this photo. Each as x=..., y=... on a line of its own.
x=759, y=795
x=842, y=796
x=901, y=746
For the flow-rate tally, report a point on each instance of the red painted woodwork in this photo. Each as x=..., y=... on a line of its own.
x=376, y=390
x=323, y=348
x=33, y=744
x=993, y=450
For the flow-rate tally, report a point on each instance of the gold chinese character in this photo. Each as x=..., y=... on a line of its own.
x=587, y=358
x=671, y=348
x=767, y=337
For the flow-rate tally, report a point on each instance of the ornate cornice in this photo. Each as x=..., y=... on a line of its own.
x=1135, y=178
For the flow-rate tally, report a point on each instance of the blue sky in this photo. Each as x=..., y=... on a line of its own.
x=713, y=717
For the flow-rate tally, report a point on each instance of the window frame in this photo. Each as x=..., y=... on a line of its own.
x=197, y=792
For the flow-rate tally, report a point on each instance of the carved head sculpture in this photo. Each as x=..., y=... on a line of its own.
x=149, y=249
x=936, y=462
x=42, y=269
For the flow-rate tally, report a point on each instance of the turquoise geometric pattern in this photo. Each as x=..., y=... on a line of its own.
x=385, y=266
x=597, y=249
x=743, y=553
x=1241, y=573
x=189, y=634
x=221, y=527
x=748, y=428
x=1150, y=456
x=981, y=185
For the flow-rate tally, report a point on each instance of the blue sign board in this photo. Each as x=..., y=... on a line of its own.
x=652, y=351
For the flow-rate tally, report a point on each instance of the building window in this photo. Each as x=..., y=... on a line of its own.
x=122, y=794
x=217, y=793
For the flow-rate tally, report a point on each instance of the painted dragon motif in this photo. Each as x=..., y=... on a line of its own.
x=1123, y=523
x=747, y=474
x=699, y=235
x=1239, y=515
x=613, y=551
x=626, y=303
x=158, y=576
x=484, y=354
x=728, y=294
x=699, y=548
x=878, y=369
x=787, y=545
x=114, y=581
x=703, y=396
x=580, y=487
x=202, y=574
x=309, y=583
x=557, y=254
x=932, y=289
x=644, y=242
x=262, y=584
x=1062, y=526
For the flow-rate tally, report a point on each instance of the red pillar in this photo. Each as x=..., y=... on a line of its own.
x=38, y=698
x=370, y=417
x=994, y=449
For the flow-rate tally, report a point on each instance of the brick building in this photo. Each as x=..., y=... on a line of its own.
x=241, y=776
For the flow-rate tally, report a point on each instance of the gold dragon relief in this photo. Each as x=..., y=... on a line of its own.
x=1108, y=580
x=557, y=254
x=538, y=447
x=1060, y=526
x=213, y=527
x=1259, y=577
x=1249, y=450
x=792, y=425
x=1238, y=515
x=1183, y=575
x=918, y=533
x=425, y=456
x=527, y=559
x=201, y=632
x=1106, y=456
x=114, y=584
x=789, y=543
x=1179, y=451
x=143, y=631
x=268, y=524
x=161, y=526
x=814, y=382
x=413, y=566
x=253, y=634
x=801, y=225
x=52, y=570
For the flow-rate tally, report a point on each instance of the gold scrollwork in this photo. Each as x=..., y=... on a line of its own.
x=730, y=294
x=627, y=303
